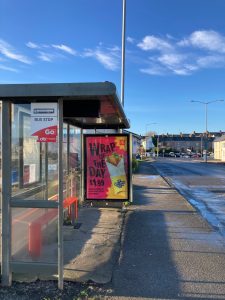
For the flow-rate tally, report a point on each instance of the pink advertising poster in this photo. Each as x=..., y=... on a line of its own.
x=106, y=167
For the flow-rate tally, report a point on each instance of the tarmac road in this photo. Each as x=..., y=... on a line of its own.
x=203, y=184
x=168, y=250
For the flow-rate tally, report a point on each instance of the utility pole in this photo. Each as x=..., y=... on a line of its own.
x=123, y=52
x=158, y=146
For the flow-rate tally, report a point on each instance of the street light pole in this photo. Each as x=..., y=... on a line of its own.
x=123, y=52
x=206, y=121
x=158, y=146
x=206, y=117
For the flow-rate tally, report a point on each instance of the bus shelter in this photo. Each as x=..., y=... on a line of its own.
x=42, y=166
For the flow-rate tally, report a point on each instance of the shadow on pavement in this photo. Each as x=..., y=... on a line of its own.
x=91, y=252
x=146, y=268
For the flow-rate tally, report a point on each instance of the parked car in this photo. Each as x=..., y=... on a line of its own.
x=172, y=154
x=195, y=155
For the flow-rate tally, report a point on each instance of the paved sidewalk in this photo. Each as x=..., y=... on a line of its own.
x=168, y=250
x=92, y=251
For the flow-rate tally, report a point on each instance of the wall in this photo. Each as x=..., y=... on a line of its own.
x=219, y=150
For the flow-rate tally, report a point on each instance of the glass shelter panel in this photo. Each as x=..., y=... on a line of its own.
x=34, y=235
x=52, y=170
x=28, y=157
x=34, y=176
x=75, y=161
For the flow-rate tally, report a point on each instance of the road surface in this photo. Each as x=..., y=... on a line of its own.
x=203, y=184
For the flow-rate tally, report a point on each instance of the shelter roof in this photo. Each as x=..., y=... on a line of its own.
x=87, y=105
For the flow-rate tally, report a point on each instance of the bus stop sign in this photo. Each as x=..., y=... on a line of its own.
x=44, y=120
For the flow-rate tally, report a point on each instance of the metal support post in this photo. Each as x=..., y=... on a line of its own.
x=158, y=146
x=131, y=175
x=206, y=130
x=82, y=166
x=6, y=193
x=123, y=51
x=68, y=181
x=60, y=193
x=46, y=171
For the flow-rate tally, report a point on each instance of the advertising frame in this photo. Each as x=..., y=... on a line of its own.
x=128, y=168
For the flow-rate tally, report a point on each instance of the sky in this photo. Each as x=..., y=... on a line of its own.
x=175, y=53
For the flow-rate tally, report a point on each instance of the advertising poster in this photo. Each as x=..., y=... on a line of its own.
x=31, y=152
x=107, y=161
x=44, y=118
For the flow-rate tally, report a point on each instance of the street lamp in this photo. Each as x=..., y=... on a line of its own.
x=123, y=51
x=157, y=145
x=206, y=119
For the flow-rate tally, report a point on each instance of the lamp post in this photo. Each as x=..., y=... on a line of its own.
x=158, y=145
x=206, y=120
x=123, y=51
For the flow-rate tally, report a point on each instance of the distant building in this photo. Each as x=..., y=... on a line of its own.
x=137, y=142
x=195, y=142
x=149, y=143
x=219, y=148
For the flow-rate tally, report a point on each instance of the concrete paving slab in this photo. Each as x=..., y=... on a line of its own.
x=98, y=254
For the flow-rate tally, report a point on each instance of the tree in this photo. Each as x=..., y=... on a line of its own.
x=154, y=140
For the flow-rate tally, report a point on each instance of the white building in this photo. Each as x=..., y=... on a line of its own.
x=219, y=148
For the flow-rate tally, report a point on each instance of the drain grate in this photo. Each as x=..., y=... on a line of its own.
x=77, y=225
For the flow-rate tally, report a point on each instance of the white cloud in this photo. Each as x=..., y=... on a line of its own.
x=205, y=39
x=109, y=57
x=130, y=40
x=114, y=49
x=65, y=49
x=154, y=70
x=171, y=59
x=185, y=57
x=211, y=61
x=32, y=45
x=151, y=42
x=46, y=56
x=8, y=51
x=5, y=68
x=181, y=71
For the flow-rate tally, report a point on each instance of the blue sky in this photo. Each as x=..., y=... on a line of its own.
x=175, y=52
